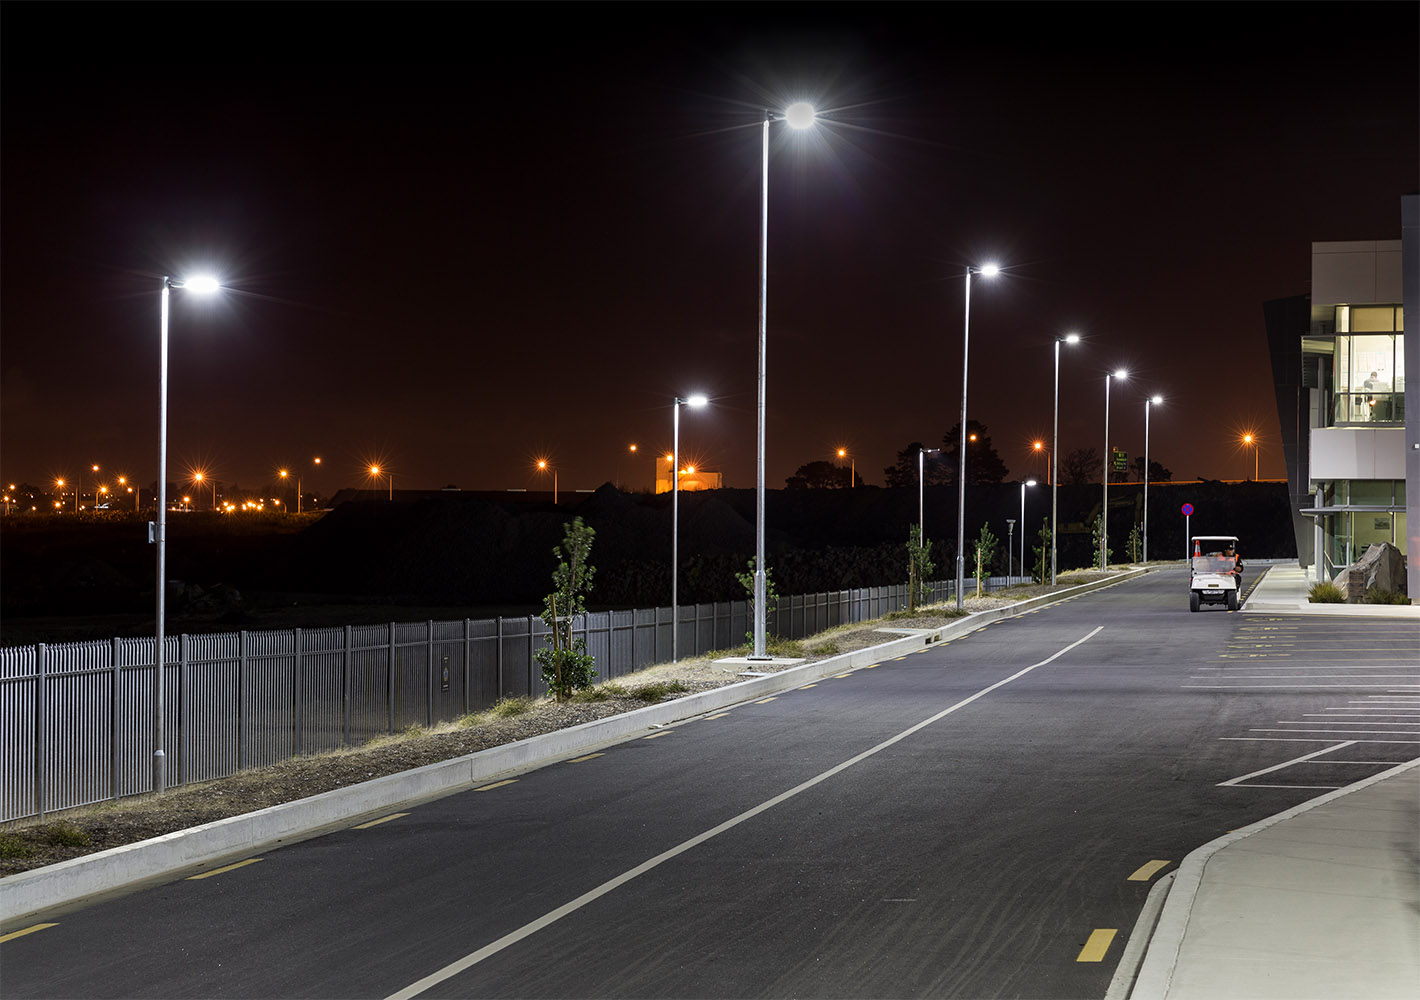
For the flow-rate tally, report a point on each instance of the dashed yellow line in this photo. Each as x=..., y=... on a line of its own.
x=874, y=666
x=21, y=933
x=721, y=715
x=766, y=701
x=655, y=736
x=590, y=756
x=841, y=676
x=807, y=686
x=496, y=784
x=224, y=870
x=377, y=822
x=1147, y=871
x=1097, y=945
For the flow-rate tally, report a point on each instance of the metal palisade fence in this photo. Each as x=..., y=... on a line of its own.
x=78, y=717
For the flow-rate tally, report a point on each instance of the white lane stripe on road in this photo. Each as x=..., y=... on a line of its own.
x=547, y=919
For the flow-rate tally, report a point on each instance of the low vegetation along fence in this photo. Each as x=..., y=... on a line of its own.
x=78, y=717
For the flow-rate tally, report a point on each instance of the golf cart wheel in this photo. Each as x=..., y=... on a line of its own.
x=1193, y=601
x=1232, y=600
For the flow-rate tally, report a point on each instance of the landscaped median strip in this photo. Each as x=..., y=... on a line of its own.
x=35, y=891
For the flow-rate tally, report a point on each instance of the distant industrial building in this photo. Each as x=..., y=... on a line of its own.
x=691, y=478
x=1343, y=364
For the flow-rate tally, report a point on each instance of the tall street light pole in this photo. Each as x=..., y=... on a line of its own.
x=986, y=271
x=697, y=400
x=798, y=116
x=1053, y=470
x=1028, y=482
x=1151, y=401
x=158, y=530
x=1121, y=374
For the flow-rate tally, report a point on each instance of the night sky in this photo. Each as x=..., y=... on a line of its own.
x=457, y=238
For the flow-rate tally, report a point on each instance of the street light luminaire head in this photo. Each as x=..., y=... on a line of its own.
x=800, y=115
x=1156, y=400
x=203, y=284
x=1071, y=338
x=699, y=399
x=989, y=270
x=1121, y=374
x=1030, y=482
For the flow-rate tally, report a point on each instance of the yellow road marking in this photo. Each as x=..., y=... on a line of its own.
x=590, y=756
x=874, y=666
x=721, y=715
x=382, y=819
x=841, y=676
x=1147, y=871
x=223, y=871
x=655, y=736
x=807, y=686
x=28, y=930
x=496, y=784
x=1097, y=945
x=766, y=701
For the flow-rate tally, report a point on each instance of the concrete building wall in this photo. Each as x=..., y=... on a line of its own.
x=1356, y=271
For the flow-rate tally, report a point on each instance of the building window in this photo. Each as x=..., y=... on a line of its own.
x=1368, y=370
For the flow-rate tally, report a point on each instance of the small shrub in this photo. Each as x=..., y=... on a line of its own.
x=1325, y=593
x=64, y=834
x=510, y=707
x=657, y=690
x=601, y=692
x=778, y=646
x=829, y=648
x=1375, y=595
x=12, y=846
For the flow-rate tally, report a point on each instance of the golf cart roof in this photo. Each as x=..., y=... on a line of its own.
x=1215, y=538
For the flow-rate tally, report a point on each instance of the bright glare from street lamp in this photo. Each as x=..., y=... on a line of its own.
x=1156, y=400
x=800, y=115
x=1072, y=338
x=1030, y=482
x=203, y=284
x=699, y=399
x=1121, y=374
x=990, y=270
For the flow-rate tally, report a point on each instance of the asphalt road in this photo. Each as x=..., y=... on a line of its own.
x=960, y=822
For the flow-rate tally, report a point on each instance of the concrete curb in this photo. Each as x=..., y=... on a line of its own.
x=1156, y=973
x=31, y=892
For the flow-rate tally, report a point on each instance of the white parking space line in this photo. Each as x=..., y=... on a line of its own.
x=1277, y=767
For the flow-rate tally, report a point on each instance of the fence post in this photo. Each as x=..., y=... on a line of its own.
x=184, y=652
x=297, y=708
x=467, y=655
x=429, y=672
x=115, y=690
x=345, y=691
x=499, y=659
x=41, y=742
x=391, y=680
x=532, y=655
x=242, y=641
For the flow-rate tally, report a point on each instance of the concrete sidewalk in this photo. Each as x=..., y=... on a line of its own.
x=1320, y=902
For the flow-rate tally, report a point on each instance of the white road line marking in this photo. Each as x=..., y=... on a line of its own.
x=1338, y=732
x=1288, y=763
x=1300, y=739
x=527, y=930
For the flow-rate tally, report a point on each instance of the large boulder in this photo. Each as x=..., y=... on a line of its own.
x=1382, y=566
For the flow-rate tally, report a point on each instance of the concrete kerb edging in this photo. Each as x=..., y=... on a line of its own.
x=106, y=871
x=1156, y=973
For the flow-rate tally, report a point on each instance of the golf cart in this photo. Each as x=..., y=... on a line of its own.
x=1215, y=575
